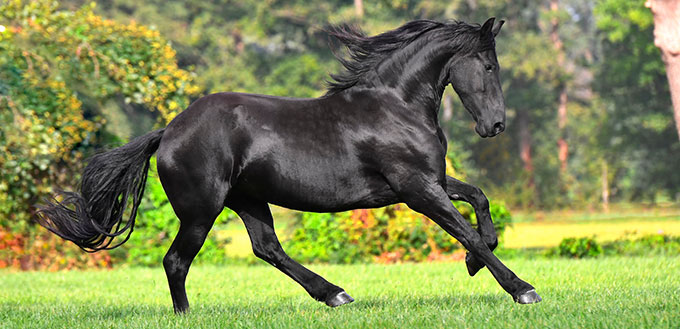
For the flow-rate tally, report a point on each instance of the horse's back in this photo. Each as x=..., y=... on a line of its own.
x=297, y=153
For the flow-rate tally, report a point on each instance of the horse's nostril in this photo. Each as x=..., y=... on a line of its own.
x=498, y=127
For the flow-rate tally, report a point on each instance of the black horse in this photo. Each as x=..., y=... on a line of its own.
x=372, y=140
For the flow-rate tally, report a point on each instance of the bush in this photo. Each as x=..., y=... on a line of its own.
x=655, y=244
x=389, y=234
x=42, y=250
x=52, y=63
x=577, y=248
x=155, y=227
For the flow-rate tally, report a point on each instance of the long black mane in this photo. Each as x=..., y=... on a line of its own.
x=365, y=52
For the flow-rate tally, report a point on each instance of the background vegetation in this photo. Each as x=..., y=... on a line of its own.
x=589, y=112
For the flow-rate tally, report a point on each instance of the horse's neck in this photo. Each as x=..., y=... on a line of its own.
x=416, y=74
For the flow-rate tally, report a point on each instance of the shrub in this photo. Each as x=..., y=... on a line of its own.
x=389, y=234
x=56, y=68
x=577, y=248
x=155, y=227
x=41, y=250
x=654, y=244
x=52, y=63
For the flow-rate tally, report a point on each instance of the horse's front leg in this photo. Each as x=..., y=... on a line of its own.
x=457, y=190
x=429, y=198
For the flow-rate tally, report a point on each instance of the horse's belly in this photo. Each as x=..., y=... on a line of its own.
x=318, y=187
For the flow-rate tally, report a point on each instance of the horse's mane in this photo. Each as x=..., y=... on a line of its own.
x=365, y=52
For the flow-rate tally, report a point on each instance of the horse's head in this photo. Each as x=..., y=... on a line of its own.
x=475, y=77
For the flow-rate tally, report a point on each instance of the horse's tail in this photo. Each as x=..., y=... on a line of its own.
x=94, y=217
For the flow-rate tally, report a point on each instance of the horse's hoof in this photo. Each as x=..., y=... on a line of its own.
x=528, y=297
x=473, y=265
x=340, y=298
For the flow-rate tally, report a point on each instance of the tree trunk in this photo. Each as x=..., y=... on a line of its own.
x=525, y=145
x=667, y=38
x=673, y=74
x=562, y=145
x=605, y=186
x=359, y=8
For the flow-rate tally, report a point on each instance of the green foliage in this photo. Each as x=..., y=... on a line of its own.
x=577, y=248
x=621, y=18
x=648, y=245
x=501, y=218
x=53, y=63
x=298, y=76
x=386, y=235
x=322, y=237
x=277, y=48
x=48, y=58
x=638, y=137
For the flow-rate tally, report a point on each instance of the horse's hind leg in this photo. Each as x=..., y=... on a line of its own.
x=259, y=222
x=197, y=203
x=457, y=190
x=176, y=262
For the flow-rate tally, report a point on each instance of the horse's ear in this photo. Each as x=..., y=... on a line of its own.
x=497, y=27
x=487, y=27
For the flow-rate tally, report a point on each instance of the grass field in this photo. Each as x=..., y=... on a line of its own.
x=549, y=234
x=596, y=293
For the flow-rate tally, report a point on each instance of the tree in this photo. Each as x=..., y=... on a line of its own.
x=667, y=38
x=637, y=138
x=56, y=70
x=562, y=145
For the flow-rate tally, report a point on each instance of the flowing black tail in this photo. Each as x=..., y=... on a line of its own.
x=93, y=218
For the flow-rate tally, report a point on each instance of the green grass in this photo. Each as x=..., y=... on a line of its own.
x=596, y=293
x=550, y=234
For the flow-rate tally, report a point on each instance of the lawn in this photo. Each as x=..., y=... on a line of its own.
x=551, y=233
x=594, y=293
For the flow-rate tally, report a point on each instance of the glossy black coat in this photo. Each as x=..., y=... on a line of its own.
x=373, y=140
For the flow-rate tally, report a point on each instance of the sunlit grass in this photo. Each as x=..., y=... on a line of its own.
x=549, y=234
x=596, y=293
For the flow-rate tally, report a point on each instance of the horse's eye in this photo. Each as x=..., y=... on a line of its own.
x=488, y=67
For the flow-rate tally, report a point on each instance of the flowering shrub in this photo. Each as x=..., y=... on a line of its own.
x=390, y=234
x=45, y=251
x=51, y=62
